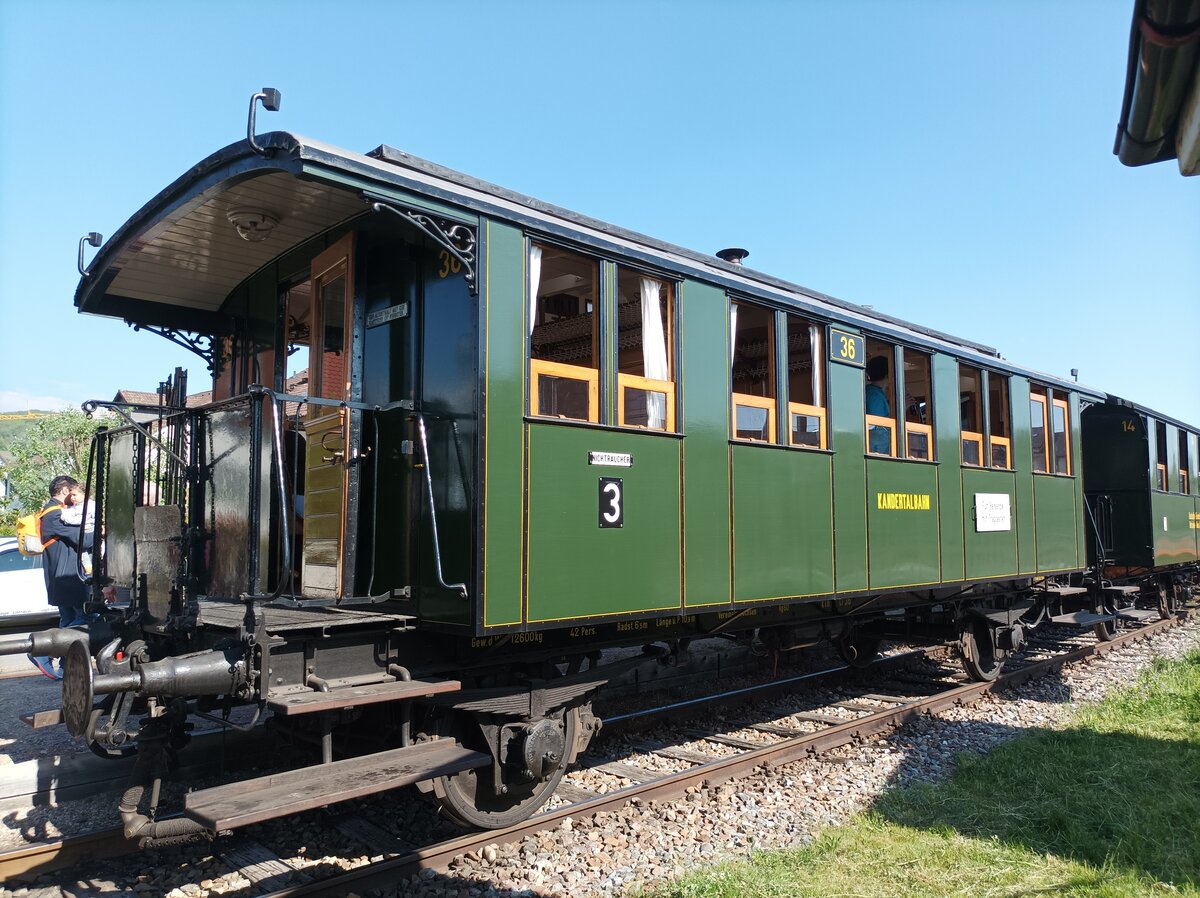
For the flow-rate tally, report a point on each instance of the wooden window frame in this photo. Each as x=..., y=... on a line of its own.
x=1006, y=443
x=812, y=411
x=1041, y=400
x=765, y=402
x=1161, y=486
x=913, y=427
x=1066, y=408
x=877, y=421
x=649, y=385
x=1184, y=487
x=970, y=436
x=539, y=368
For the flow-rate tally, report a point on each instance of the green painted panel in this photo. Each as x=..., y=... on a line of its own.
x=902, y=522
x=949, y=452
x=782, y=523
x=579, y=569
x=504, y=405
x=1174, y=533
x=1081, y=539
x=990, y=553
x=704, y=417
x=1055, y=502
x=847, y=439
x=1022, y=449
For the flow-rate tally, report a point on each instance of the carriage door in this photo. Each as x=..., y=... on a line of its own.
x=327, y=428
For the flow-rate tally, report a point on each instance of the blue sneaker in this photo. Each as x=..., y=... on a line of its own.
x=46, y=667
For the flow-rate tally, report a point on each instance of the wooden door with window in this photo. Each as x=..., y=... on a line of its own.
x=327, y=428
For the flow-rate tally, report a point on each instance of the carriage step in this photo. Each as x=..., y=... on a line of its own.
x=1122, y=591
x=252, y=801
x=1141, y=615
x=1067, y=592
x=1081, y=618
x=350, y=696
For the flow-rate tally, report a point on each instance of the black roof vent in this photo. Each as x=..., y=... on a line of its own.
x=733, y=255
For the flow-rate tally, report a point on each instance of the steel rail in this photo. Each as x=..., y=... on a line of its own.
x=720, y=770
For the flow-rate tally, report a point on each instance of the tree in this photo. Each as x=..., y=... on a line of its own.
x=56, y=444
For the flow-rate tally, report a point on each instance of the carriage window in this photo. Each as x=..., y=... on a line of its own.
x=752, y=337
x=1160, y=433
x=330, y=376
x=806, y=404
x=918, y=405
x=879, y=399
x=1184, y=465
x=645, y=343
x=1060, y=418
x=564, y=372
x=999, y=422
x=970, y=411
x=1038, y=420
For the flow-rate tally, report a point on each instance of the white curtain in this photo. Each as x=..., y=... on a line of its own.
x=732, y=332
x=814, y=343
x=654, y=350
x=535, y=278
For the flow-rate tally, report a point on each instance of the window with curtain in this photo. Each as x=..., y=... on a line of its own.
x=806, y=387
x=970, y=410
x=1039, y=429
x=564, y=351
x=999, y=421
x=645, y=351
x=752, y=375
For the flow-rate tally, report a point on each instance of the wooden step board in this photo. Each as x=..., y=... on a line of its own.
x=351, y=696
x=252, y=801
x=1141, y=615
x=1080, y=618
x=1064, y=592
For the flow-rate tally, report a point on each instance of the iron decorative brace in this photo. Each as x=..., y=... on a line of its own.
x=456, y=238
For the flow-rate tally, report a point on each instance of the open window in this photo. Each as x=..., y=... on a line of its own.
x=1160, y=441
x=879, y=398
x=1060, y=422
x=752, y=337
x=564, y=370
x=970, y=411
x=999, y=422
x=1039, y=429
x=806, y=393
x=645, y=351
x=1184, y=461
x=918, y=405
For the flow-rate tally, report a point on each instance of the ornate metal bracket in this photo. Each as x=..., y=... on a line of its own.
x=457, y=239
x=204, y=345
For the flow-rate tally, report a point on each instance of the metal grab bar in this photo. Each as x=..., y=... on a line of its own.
x=461, y=588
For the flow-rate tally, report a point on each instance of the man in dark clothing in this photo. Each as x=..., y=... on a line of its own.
x=60, y=562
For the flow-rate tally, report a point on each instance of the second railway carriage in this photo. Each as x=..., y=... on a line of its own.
x=523, y=436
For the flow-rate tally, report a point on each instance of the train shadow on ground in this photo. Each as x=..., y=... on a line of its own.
x=1072, y=792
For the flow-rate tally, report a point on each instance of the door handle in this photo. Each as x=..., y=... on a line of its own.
x=335, y=455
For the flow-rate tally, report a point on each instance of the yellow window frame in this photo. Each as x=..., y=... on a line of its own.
x=970, y=436
x=1006, y=443
x=1060, y=403
x=1162, y=477
x=814, y=411
x=876, y=421
x=539, y=368
x=649, y=385
x=913, y=427
x=1183, y=481
x=766, y=402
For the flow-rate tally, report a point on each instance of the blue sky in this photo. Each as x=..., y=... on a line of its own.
x=945, y=162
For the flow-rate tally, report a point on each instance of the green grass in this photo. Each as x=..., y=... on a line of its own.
x=1109, y=806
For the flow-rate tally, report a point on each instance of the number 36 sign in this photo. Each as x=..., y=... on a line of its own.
x=612, y=502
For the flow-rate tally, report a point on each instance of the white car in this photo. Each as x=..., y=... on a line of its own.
x=22, y=583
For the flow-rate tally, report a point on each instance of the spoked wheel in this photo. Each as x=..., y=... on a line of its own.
x=858, y=651
x=981, y=659
x=1168, y=601
x=470, y=797
x=1106, y=630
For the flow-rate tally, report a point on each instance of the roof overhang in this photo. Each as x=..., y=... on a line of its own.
x=1160, y=114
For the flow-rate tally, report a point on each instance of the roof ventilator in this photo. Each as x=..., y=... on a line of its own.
x=733, y=255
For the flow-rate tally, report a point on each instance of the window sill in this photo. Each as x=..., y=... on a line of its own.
x=812, y=450
x=607, y=428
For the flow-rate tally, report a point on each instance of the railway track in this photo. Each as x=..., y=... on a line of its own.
x=707, y=755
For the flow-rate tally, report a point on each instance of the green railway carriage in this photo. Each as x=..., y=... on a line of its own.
x=1143, y=495
x=462, y=440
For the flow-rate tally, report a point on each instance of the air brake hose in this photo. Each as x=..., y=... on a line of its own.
x=151, y=762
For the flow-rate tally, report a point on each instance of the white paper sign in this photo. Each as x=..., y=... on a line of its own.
x=992, y=512
x=611, y=459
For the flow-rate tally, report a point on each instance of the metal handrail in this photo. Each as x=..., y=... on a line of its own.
x=461, y=588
